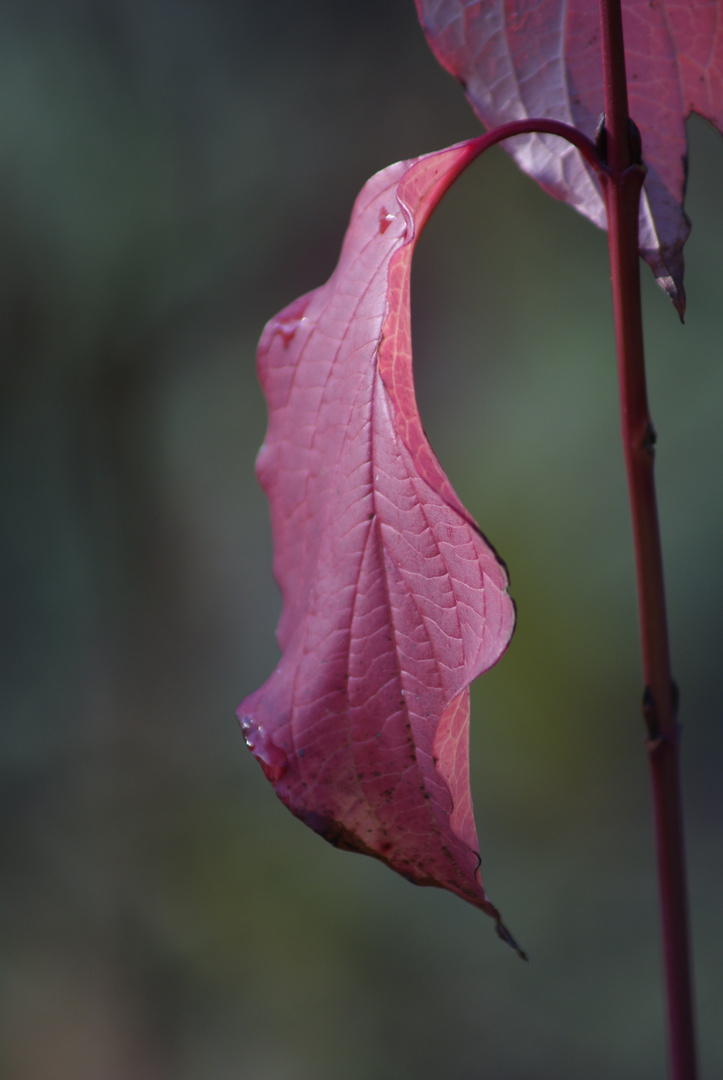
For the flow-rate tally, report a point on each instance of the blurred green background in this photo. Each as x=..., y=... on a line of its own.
x=172, y=173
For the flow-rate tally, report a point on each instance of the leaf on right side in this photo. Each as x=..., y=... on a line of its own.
x=541, y=58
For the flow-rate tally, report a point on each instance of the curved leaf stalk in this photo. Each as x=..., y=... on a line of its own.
x=537, y=126
x=622, y=183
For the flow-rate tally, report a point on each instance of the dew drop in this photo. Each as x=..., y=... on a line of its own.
x=385, y=219
x=287, y=331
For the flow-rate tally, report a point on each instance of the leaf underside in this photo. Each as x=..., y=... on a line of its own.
x=393, y=601
x=542, y=58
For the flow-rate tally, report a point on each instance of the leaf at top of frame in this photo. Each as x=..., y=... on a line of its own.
x=542, y=58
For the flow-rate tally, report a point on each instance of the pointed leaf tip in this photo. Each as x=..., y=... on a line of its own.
x=393, y=601
x=503, y=932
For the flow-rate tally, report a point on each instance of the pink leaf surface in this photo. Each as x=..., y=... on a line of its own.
x=393, y=602
x=542, y=58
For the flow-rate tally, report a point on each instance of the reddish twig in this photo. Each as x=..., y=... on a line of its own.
x=622, y=183
x=621, y=174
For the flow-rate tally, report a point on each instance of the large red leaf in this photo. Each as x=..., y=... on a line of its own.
x=525, y=58
x=393, y=602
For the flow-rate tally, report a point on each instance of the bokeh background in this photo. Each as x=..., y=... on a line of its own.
x=173, y=172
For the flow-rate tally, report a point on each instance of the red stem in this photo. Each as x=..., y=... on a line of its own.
x=622, y=184
x=621, y=178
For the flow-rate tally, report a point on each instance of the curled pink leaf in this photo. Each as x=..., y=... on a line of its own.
x=393, y=601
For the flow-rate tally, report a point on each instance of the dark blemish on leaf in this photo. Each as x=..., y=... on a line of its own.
x=302, y=752
x=341, y=837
